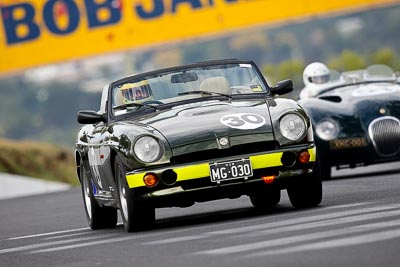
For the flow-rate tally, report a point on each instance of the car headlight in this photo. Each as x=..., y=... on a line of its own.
x=292, y=126
x=327, y=130
x=147, y=149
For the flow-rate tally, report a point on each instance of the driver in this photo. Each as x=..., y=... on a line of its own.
x=314, y=75
x=138, y=92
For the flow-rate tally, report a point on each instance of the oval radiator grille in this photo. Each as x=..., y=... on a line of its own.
x=385, y=135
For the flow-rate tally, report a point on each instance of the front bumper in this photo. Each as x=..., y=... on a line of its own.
x=362, y=155
x=196, y=176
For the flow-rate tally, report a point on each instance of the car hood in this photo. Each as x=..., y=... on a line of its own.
x=371, y=100
x=202, y=122
x=355, y=99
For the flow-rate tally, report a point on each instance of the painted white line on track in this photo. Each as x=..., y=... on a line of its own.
x=366, y=213
x=348, y=205
x=301, y=238
x=49, y=233
x=306, y=219
x=328, y=222
x=340, y=242
x=52, y=243
x=308, y=225
x=87, y=244
x=176, y=239
x=163, y=233
x=70, y=235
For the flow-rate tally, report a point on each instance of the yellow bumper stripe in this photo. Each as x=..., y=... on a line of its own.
x=203, y=169
x=313, y=153
x=266, y=161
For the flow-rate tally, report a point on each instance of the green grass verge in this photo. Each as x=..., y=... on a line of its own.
x=38, y=159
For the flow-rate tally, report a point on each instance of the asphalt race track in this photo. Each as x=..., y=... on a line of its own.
x=358, y=224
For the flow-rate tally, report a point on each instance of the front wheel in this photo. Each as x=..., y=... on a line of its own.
x=98, y=217
x=322, y=168
x=306, y=193
x=135, y=216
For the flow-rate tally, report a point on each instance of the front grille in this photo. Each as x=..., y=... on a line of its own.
x=228, y=152
x=385, y=135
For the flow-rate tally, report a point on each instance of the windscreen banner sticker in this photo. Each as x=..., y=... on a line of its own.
x=243, y=121
x=256, y=88
x=245, y=65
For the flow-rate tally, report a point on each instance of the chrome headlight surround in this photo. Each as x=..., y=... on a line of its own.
x=292, y=126
x=147, y=149
x=327, y=129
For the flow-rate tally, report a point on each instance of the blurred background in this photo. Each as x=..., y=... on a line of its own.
x=39, y=101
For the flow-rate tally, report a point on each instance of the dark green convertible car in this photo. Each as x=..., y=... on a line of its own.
x=356, y=119
x=193, y=133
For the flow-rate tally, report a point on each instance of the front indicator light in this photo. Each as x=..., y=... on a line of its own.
x=269, y=179
x=150, y=179
x=304, y=157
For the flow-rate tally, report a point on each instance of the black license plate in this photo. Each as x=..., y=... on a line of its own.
x=348, y=143
x=229, y=170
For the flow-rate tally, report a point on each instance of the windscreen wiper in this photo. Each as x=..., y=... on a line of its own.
x=205, y=93
x=133, y=104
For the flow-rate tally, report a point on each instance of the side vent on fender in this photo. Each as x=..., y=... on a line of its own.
x=331, y=98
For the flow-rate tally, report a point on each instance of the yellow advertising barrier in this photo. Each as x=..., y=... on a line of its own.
x=37, y=32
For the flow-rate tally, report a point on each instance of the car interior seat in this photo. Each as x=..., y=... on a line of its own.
x=118, y=99
x=218, y=84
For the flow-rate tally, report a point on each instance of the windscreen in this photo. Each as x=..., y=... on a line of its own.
x=187, y=83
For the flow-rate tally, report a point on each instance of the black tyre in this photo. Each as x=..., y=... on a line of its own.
x=265, y=199
x=135, y=216
x=98, y=217
x=322, y=168
x=306, y=193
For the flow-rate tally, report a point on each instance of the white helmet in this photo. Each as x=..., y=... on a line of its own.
x=315, y=73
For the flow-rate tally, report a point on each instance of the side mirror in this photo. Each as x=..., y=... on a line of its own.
x=90, y=117
x=282, y=87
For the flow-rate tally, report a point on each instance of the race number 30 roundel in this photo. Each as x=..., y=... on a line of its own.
x=243, y=121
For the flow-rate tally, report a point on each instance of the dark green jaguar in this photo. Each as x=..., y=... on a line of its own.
x=193, y=133
x=356, y=119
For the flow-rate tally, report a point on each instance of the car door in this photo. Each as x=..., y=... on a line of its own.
x=99, y=155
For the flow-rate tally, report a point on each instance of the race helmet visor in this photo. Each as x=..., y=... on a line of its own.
x=320, y=79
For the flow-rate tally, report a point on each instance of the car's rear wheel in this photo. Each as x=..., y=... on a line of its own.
x=306, y=192
x=135, y=216
x=266, y=198
x=322, y=168
x=98, y=217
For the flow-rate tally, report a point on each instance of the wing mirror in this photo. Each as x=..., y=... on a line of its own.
x=90, y=117
x=282, y=87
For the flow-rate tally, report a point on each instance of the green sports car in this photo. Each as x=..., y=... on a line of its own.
x=193, y=133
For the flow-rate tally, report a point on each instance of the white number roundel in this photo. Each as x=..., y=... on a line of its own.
x=243, y=121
